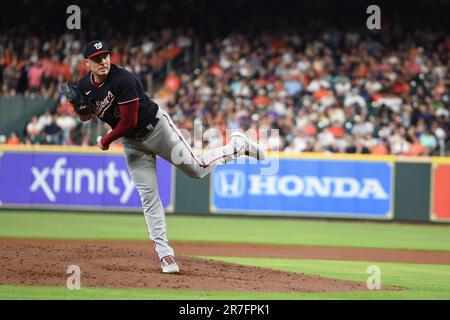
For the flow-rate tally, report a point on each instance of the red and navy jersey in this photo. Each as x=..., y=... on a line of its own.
x=120, y=87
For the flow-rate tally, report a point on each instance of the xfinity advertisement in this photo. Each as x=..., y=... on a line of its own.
x=79, y=180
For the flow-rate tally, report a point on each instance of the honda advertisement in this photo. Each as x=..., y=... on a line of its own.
x=308, y=187
x=80, y=181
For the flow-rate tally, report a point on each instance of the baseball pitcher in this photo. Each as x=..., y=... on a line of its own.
x=116, y=96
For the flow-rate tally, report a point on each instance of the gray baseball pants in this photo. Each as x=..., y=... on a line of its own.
x=166, y=140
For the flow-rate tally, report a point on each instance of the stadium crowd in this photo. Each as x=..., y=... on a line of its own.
x=35, y=67
x=323, y=89
x=332, y=91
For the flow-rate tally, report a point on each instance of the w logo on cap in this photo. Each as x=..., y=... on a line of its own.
x=94, y=48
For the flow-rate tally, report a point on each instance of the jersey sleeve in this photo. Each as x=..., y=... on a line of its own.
x=126, y=90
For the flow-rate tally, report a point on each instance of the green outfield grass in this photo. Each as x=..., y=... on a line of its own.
x=226, y=229
x=419, y=281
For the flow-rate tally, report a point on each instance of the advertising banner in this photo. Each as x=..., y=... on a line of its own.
x=441, y=193
x=65, y=180
x=308, y=187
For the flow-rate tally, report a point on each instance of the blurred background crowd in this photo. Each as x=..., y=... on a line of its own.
x=323, y=85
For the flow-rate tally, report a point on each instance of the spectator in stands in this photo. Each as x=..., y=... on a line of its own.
x=35, y=75
x=53, y=132
x=10, y=80
x=428, y=141
x=45, y=119
x=67, y=123
x=34, y=131
x=13, y=139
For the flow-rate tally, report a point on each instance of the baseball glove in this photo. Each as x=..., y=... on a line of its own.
x=80, y=103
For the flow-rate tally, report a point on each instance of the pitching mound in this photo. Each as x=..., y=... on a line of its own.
x=43, y=262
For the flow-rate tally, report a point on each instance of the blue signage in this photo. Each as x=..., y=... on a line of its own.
x=74, y=180
x=305, y=187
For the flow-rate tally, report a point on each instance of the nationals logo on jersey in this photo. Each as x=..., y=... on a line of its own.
x=102, y=106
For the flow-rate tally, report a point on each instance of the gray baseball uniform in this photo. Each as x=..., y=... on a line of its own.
x=166, y=140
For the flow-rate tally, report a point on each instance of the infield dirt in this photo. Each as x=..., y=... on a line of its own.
x=133, y=264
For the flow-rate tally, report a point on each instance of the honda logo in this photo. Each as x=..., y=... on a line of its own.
x=229, y=183
x=232, y=184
